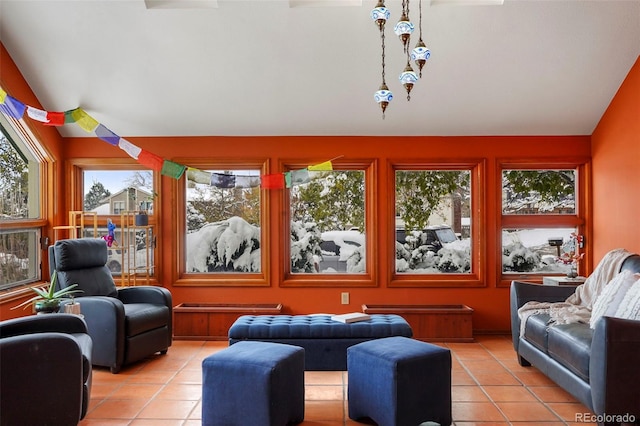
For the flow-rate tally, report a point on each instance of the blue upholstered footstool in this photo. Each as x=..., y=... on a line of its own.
x=253, y=383
x=398, y=381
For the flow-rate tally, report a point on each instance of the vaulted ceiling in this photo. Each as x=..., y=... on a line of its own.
x=310, y=67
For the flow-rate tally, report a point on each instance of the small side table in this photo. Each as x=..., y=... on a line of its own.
x=563, y=280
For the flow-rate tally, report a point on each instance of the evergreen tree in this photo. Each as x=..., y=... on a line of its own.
x=96, y=194
x=14, y=181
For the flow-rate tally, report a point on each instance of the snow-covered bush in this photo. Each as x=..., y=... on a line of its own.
x=518, y=258
x=225, y=246
x=305, y=246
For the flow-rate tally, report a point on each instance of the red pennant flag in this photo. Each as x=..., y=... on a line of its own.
x=150, y=160
x=274, y=181
x=54, y=119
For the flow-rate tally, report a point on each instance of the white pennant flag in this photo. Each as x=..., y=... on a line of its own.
x=129, y=148
x=37, y=114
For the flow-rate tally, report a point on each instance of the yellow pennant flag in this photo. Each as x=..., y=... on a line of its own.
x=3, y=95
x=321, y=167
x=84, y=120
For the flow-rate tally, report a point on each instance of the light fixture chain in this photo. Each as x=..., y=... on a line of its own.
x=382, y=37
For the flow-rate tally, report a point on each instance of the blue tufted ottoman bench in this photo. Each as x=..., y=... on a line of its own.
x=324, y=340
x=399, y=382
x=253, y=383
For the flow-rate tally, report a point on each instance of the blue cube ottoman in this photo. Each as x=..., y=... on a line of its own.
x=399, y=381
x=253, y=383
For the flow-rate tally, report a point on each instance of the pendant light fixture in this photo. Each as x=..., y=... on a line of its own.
x=383, y=96
x=421, y=52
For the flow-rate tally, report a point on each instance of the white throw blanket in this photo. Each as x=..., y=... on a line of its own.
x=577, y=307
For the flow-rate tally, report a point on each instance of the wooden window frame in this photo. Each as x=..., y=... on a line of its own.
x=366, y=279
x=75, y=169
x=220, y=279
x=578, y=220
x=477, y=276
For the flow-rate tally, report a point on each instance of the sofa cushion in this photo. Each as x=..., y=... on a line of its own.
x=570, y=345
x=612, y=295
x=535, y=331
x=142, y=317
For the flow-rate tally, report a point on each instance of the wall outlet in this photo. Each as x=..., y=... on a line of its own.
x=344, y=298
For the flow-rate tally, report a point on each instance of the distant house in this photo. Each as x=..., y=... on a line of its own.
x=127, y=199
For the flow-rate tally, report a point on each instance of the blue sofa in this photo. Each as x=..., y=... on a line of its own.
x=599, y=367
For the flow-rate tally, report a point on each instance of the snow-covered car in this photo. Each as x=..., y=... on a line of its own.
x=336, y=247
x=434, y=237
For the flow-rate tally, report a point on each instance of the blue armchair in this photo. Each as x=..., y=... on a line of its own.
x=126, y=324
x=40, y=355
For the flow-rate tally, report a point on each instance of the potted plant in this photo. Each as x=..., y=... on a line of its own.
x=142, y=217
x=47, y=300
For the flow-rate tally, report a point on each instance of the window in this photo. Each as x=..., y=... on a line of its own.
x=115, y=191
x=435, y=232
x=22, y=164
x=433, y=217
x=329, y=225
x=541, y=215
x=223, y=217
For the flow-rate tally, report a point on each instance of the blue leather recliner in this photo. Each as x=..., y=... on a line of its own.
x=126, y=324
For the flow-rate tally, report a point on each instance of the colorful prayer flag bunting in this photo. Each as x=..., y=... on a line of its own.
x=171, y=169
x=84, y=120
x=296, y=177
x=151, y=160
x=107, y=135
x=12, y=107
x=220, y=180
x=326, y=166
x=54, y=119
x=273, y=181
x=198, y=176
x=247, y=181
x=129, y=148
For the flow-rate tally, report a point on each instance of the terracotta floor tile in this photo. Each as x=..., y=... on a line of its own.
x=499, y=378
x=118, y=409
x=483, y=424
x=467, y=394
x=156, y=422
x=570, y=411
x=461, y=378
x=324, y=392
x=509, y=394
x=167, y=409
x=181, y=391
x=100, y=390
x=152, y=376
x=483, y=365
x=324, y=410
x=104, y=422
x=323, y=377
x=533, y=378
x=196, y=413
x=476, y=411
x=552, y=394
x=136, y=390
x=188, y=377
x=527, y=412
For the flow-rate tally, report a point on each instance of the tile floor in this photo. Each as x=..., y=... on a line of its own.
x=489, y=388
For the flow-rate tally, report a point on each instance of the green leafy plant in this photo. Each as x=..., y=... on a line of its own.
x=49, y=295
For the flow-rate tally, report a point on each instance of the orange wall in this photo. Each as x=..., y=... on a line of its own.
x=490, y=303
x=616, y=170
